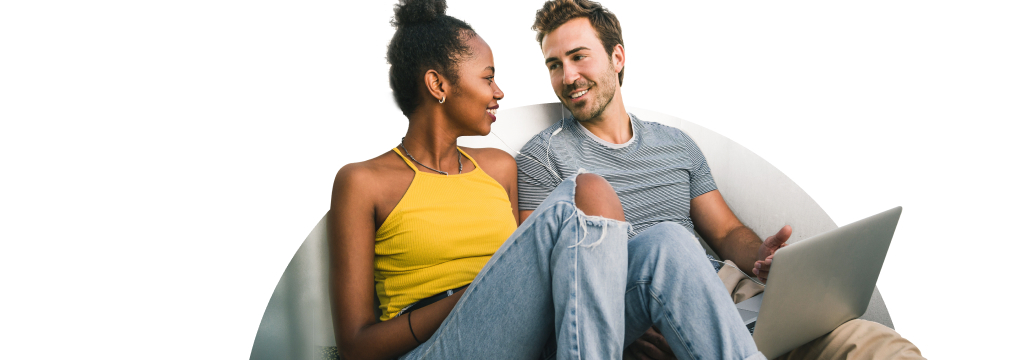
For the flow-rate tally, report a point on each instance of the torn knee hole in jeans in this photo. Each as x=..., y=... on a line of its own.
x=585, y=221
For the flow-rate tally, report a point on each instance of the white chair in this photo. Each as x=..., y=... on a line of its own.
x=297, y=322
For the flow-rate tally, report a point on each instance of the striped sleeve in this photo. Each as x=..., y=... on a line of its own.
x=532, y=190
x=535, y=178
x=700, y=179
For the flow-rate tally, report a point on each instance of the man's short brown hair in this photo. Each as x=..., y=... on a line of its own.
x=555, y=13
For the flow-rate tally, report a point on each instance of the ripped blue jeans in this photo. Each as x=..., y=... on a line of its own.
x=569, y=277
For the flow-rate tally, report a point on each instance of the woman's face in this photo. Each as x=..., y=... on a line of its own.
x=472, y=103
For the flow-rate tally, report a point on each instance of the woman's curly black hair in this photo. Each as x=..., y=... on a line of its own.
x=425, y=38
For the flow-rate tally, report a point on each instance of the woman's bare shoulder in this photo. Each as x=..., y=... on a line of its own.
x=490, y=157
x=496, y=163
x=366, y=175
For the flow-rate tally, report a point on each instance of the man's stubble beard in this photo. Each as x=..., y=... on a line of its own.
x=603, y=97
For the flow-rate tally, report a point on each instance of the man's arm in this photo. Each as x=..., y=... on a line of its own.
x=532, y=187
x=534, y=184
x=731, y=239
x=523, y=214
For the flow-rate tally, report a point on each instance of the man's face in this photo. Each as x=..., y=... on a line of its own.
x=582, y=75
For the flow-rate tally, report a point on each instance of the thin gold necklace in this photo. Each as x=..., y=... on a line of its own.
x=424, y=165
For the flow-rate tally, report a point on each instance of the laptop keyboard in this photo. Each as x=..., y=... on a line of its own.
x=750, y=327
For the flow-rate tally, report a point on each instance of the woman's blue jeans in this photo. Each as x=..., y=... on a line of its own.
x=581, y=278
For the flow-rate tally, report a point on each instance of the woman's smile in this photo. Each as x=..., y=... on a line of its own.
x=492, y=112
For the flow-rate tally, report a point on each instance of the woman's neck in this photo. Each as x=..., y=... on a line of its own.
x=432, y=144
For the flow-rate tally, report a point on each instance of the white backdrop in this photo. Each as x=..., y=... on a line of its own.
x=162, y=161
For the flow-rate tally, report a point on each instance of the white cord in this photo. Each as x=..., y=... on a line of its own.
x=529, y=156
x=548, y=149
x=740, y=270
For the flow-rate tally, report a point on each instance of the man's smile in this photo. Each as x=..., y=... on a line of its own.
x=576, y=91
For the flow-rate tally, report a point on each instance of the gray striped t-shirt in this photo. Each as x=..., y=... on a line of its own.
x=656, y=173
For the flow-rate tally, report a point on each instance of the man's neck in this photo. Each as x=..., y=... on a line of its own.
x=613, y=125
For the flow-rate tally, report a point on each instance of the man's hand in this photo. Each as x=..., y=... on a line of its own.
x=765, y=255
x=651, y=346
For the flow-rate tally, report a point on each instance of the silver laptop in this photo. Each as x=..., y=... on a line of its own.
x=819, y=283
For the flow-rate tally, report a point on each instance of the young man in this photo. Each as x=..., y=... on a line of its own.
x=659, y=173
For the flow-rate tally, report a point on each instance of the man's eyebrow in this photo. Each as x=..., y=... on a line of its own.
x=491, y=68
x=567, y=53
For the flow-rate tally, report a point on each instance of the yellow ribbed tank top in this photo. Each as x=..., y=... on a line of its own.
x=439, y=236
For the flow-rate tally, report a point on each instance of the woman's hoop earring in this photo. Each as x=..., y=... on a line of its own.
x=442, y=98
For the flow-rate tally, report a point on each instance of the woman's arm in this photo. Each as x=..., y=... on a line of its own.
x=352, y=230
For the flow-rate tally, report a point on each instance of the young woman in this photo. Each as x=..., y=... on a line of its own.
x=431, y=231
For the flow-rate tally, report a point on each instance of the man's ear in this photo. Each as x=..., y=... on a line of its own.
x=436, y=85
x=618, y=57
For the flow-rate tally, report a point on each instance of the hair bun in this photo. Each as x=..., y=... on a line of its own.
x=408, y=12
